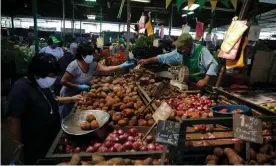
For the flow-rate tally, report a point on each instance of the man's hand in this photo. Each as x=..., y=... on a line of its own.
x=142, y=62
x=201, y=83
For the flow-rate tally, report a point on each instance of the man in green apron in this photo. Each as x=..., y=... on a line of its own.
x=196, y=57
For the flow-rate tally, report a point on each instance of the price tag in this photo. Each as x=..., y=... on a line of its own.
x=100, y=42
x=163, y=112
x=167, y=132
x=247, y=128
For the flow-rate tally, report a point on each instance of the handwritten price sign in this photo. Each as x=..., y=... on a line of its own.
x=248, y=128
x=167, y=132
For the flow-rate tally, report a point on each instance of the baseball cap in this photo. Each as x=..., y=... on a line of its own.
x=55, y=40
x=183, y=39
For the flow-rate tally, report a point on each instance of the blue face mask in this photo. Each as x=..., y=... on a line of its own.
x=46, y=82
x=88, y=59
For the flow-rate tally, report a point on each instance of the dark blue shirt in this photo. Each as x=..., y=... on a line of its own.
x=38, y=126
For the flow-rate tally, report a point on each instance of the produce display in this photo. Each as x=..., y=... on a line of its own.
x=117, y=96
x=100, y=160
x=117, y=141
x=261, y=155
x=190, y=106
x=90, y=123
x=269, y=106
x=224, y=110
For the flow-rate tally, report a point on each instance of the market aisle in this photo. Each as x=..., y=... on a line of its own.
x=6, y=145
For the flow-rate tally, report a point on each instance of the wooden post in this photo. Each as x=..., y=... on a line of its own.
x=35, y=25
x=128, y=22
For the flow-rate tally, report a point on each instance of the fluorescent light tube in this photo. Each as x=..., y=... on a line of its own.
x=193, y=7
x=184, y=15
x=190, y=13
x=91, y=17
x=144, y=1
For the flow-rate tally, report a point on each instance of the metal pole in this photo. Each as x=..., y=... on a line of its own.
x=35, y=25
x=80, y=28
x=128, y=22
x=12, y=21
x=63, y=18
x=170, y=28
x=101, y=20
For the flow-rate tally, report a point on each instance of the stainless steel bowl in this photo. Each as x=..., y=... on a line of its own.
x=71, y=123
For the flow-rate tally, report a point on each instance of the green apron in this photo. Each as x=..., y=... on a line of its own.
x=192, y=62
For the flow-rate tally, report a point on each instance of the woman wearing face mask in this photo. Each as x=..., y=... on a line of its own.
x=53, y=48
x=80, y=72
x=196, y=57
x=33, y=114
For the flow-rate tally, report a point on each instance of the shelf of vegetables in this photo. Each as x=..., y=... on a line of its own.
x=123, y=97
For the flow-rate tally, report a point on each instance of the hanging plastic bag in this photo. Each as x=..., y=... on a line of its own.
x=240, y=62
x=234, y=33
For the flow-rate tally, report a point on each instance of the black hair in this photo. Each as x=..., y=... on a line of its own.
x=42, y=65
x=84, y=50
x=50, y=41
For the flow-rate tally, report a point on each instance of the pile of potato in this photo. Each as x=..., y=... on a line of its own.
x=265, y=155
x=118, y=96
x=100, y=160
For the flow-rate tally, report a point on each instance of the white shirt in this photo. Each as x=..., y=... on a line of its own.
x=57, y=52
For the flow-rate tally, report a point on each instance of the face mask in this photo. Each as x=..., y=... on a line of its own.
x=46, y=82
x=88, y=59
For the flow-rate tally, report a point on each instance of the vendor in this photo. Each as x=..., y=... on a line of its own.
x=80, y=72
x=53, y=48
x=33, y=114
x=196, y=57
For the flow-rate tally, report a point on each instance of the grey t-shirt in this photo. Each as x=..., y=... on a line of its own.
x=78, y=77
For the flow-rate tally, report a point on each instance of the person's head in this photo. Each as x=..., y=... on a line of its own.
x=43, y=70
x=73, y=48
x=53, y=42
x=85, y=53
x=184, y=44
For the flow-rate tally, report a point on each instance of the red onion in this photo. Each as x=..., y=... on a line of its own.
x=127, y=145
x=115, y=137
x=143, y=148
x=149, y=138
x=144, y=143
x=126, y=135
x=151, y=147
x=97, y=146
x=132, y=131
x=122, y=138
x=77, y=150
x=108, y=144
x=130, y=138
x=141, y=135
x=118, y=147
x=112, y=149
x=115, y=132
x=159, y=147
x=136, y=145
x=102, y=149
x=68, y=150
x=66, y=141
x=121, y=132
x=90, y=149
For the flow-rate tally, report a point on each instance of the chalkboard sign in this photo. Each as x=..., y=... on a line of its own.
x=247, y=128
x=167, y=132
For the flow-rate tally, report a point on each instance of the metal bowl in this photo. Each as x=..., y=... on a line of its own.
x=71, y=123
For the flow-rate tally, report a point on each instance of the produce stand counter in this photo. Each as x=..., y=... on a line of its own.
x=201, y=142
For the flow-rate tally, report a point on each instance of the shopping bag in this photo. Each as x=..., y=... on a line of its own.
x=233, y=53
x=234, y=33
x=240, y=62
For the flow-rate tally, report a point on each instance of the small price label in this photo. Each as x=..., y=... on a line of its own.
x=167, y=132
x=247, y=128
x=163, y=112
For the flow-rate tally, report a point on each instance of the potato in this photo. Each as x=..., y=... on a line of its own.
x=148, y=161
x=63, y=163
x=211, y=162
x=132, y=122
x=95, y=159
x=128, y=161
x=94, y=124
x=128, y=112
x=138, y=162
x=211, y=157
x=261, y=158
x=75, y=160
x=111, y=112
x=218, y=152
x=142, y=122
x=151, y=122
x=116, y=161
x=232, y=156
x=102, y=163
x=156, y=162
x=85, y=126
x=148, y=116
x=252, y=154
x=86, y=163
x=90, y=118
x=117, y=116
x=105, y=108
x=122, y=122
x=130, y=105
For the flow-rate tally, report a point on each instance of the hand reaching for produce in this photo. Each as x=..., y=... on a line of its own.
x=77, y=98
x=201, y=83
x=142, y=62
x=127, y=65
x=83, y=87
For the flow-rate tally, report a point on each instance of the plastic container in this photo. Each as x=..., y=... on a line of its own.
x=230, y=108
